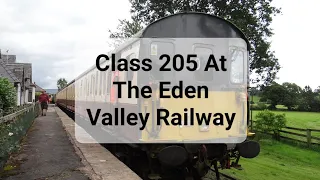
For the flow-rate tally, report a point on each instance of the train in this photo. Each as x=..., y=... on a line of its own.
x=177, y=160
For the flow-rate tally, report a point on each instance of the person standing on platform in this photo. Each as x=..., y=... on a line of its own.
x=44, y=100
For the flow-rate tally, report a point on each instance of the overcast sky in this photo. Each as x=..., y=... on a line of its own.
x=53, y=35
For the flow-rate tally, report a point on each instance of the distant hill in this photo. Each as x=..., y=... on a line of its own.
x=51, y=91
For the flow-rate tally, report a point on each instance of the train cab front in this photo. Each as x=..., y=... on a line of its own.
x=204, y=109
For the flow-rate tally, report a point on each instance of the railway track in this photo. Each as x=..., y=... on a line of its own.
x=213, y=177
x=227, y=176
x=224, y=176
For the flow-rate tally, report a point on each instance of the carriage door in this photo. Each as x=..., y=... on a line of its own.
x=156, y=48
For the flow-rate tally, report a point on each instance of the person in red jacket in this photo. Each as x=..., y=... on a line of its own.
x=44, y=100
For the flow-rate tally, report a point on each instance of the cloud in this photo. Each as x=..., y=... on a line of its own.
x=54, y=35
x=62, y=38
x=295, y=41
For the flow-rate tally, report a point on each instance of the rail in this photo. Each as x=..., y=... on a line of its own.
x=13, y=128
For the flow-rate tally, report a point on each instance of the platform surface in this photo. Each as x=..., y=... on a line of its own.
x=46, y=153
x=51, y=152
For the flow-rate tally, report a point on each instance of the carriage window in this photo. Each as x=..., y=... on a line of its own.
x=101, y=75
x=156, y=50
x=129, y=73
x=96, y=85
x=80, y=93
x=109, y=81
x=89, y=83
x=202, y=59
x=82, y=87
x=87, y=86
x=92, y=85
x=237, y=65
x=104, y=82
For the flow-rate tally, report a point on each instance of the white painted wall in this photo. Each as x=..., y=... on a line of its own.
x=26, y=95
x=33, y=94
x=18, y=94
x=22, y=99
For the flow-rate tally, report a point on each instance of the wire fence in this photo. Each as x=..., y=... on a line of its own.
x=13, y=128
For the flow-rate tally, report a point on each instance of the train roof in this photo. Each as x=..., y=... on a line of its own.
x=192, y=25
x=184, y=25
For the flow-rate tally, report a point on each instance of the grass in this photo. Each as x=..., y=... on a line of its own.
x=298, y=119
x=256, y=100
x=279, y=161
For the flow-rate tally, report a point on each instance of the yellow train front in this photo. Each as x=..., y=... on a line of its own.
x=197, y=147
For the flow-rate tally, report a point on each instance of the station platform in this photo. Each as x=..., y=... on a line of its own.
x=51, y=152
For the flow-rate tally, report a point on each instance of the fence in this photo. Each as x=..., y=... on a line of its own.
x=307, y=136
x=301, y=135
x=13, y=128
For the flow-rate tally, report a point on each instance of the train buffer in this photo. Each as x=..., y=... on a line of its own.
x=50, y=151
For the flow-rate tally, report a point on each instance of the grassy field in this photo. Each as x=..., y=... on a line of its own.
x=279, y=161
x=294, y=118
x=256, y=100
x=298, y=119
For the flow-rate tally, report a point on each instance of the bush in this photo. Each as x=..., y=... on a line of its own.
x=267, y=121
x=8, y=95
x=258, y=106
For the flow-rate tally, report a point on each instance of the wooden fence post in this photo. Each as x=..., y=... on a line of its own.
x=309, y=137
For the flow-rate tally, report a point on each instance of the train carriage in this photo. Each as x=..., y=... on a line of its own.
x=95, y=87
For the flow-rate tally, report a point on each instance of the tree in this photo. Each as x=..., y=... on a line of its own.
x=125, y=29
x=306, y=99
x=253, y=17
x=275, y=93
x=292, y=95
x=317, y=102
x=8, y=94
x=61, y=83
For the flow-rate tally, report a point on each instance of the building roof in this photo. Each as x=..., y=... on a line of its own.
x=6, y=72
x=8, y=58
x=23, y=72
x=38, y=88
